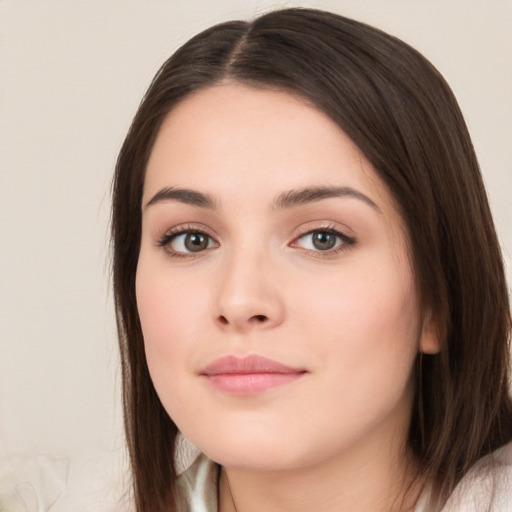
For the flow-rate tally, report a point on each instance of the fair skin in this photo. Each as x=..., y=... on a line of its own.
x=318, y=280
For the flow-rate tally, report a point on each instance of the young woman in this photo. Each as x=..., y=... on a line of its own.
x=311, y=302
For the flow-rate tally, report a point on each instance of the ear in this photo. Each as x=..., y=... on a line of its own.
x=429, y=341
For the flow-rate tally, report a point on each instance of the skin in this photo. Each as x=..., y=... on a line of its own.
x=333, y=439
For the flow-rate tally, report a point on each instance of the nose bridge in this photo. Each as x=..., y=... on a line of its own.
x=248, y=296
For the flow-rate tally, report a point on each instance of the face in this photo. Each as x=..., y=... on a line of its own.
x=276, y=297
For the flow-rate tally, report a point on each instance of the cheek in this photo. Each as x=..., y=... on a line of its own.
x=364, y=332
x=366, y=320
x=169, y=312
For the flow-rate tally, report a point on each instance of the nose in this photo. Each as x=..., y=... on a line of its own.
x=248, y=295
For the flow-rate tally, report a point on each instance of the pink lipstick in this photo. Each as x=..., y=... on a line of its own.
x=249, y=375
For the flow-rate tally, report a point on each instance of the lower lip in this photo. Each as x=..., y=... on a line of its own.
x=251, y=383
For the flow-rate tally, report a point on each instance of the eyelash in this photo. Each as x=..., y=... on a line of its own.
x=346, y=241
x=164, y=241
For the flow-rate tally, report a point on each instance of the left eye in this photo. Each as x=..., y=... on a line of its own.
x=321, y=240
x=193, y=241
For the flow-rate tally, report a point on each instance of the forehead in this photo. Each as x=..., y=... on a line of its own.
x=234, y=140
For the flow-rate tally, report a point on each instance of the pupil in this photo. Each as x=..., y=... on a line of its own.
x=323, y=240
x=195, y=242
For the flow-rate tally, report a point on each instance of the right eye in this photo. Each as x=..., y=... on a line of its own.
x=187, y=242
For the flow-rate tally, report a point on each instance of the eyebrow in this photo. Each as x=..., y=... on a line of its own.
x=286, y=200
x=183, y=195
x=293, y=198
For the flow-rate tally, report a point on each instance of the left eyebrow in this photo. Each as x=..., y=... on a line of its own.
x=299, y=197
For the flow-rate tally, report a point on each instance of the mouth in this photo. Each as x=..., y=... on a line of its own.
x=249, y=375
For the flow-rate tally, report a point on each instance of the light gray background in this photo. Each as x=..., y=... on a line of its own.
x=72, y=74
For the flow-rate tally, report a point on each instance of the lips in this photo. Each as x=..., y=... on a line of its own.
x=249, y=375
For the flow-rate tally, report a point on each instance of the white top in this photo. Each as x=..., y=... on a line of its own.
x=486, y=488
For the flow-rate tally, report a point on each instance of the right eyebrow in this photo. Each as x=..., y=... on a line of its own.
x=183, y=195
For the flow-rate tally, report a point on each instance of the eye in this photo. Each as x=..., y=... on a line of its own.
x=323, y=240
x=187, y=242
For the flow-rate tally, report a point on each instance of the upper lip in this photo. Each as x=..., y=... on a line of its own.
x=247, y=365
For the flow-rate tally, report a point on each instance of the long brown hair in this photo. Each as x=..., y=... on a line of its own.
x=403, y=116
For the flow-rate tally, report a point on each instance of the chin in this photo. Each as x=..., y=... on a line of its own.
x=252, y=459
x=259, y=451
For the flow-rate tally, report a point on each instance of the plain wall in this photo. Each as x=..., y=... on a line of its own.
x=72, y=74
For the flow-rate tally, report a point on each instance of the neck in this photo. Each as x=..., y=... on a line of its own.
x=374, y=481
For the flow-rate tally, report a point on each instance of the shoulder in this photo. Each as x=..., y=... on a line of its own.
x=487, y=487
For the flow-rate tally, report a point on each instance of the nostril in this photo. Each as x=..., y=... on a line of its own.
x=255, y=319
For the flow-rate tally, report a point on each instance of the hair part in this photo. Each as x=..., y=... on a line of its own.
x=400, y=112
